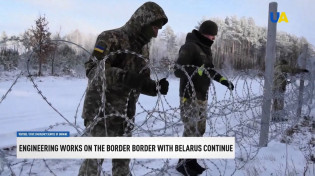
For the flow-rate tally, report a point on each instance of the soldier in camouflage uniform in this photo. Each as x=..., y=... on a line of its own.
x=197, y=52
x=281, y=68
x=124, y=76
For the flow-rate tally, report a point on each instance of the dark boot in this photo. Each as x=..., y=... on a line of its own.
x=195, y=166
x=185, y=169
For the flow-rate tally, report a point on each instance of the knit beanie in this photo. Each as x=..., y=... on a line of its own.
x=209, y=28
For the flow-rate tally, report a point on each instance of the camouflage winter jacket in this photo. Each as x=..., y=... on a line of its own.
x=280, y=77
x=127, y=37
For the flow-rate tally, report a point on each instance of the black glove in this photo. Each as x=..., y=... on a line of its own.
x=85, y=122
x=133, y=79
x=228, y=84
x=163, y=86
x=305, y=70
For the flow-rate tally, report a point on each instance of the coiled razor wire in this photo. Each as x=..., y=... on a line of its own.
x=233, y=116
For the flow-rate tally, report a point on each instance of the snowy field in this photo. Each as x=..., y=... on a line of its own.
x=25, y=109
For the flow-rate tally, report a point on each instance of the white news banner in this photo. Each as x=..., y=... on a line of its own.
x=58, y=145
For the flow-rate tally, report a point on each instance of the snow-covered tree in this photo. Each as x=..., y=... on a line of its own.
x=158, y=51
x=169, y=38
x=9, y=59
x=3, y=39
x=240, y=44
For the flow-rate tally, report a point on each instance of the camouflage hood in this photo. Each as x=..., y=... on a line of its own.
x=280, y=62
x=144, y=15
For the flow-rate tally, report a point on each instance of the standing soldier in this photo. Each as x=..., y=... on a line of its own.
x=197, y=52
x=279, y=87
x=124, y=83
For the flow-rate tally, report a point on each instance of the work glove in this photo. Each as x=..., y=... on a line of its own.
x=134, y=80
x=163, y=86
x=305, y=70
x=86, y=122
x=228, y=84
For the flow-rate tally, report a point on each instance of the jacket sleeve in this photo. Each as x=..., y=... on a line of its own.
x=215, y=75
x=185, y=57
x=289, y=69
x=149, y=86
x=106, y=43
x=101, y=48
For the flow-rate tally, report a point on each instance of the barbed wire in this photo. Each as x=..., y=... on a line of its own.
x=235, y=115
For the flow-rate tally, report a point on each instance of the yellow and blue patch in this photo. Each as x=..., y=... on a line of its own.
x=99, y=49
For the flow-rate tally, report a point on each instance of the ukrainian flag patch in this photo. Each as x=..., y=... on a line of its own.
x=99, y=49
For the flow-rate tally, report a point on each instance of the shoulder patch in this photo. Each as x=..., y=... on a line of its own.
x=99, y=49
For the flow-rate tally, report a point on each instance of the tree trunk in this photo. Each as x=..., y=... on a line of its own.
x=40, y=67
x=40, y=60
x=52, y=66
x=52, y=62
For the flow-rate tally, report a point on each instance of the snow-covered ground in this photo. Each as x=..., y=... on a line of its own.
x=25, y=109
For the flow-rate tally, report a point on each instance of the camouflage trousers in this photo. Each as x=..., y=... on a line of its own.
x=193, y=115
x=115, y=127
x=278, y=103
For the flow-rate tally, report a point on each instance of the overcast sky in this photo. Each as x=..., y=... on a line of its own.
x=95, y=16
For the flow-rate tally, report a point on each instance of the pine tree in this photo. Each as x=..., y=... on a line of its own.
x=40, y=41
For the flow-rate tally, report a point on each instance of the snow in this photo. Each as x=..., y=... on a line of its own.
x=25, y=109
